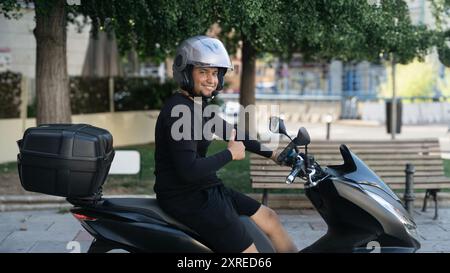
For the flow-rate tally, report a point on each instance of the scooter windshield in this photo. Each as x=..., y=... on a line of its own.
x=355, y=169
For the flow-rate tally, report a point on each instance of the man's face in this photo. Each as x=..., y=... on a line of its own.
x=205, y=80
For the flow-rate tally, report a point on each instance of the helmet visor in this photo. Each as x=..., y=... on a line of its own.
x=207, y=52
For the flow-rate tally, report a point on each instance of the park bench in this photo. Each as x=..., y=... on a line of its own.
x=126, y=162
x=388, y=159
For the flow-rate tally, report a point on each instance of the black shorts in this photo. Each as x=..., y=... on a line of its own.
x=214, y=214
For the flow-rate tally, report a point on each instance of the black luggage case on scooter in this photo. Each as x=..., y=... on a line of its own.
x=68, y=160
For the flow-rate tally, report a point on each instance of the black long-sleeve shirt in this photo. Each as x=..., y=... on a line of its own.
x=181, y=165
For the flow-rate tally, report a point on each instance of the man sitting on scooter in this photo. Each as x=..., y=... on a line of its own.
x=186, y=185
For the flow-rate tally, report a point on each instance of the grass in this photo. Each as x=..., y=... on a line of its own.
x=446, y=167
x=135, y=184
x=8, y=167
x=236, y=173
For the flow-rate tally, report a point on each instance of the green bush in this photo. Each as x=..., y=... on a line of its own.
x=141, y=93
x=89, y=95
x=10, y=91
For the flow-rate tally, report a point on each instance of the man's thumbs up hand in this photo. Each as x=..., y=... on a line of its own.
x=236, y=148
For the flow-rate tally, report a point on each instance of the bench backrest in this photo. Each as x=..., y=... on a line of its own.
x=126, y=162
x=387, y=159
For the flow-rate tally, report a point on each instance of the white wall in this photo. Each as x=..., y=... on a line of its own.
x=17, y=36
x=127, y=128
x=412, y=113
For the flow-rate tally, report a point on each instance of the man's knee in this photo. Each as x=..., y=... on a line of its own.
x=266, y=216
x=272, y=215
x=251, y=249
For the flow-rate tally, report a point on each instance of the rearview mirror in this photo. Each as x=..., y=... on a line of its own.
x=302, y=138
x=276, y=125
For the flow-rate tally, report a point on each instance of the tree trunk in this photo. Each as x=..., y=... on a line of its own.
x=247, y=95
x=133, y=60
x=247, y=88
x=52, y=83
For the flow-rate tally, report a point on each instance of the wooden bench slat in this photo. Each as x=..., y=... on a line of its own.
x=396, y=156
x=443, y=181
x=335, y=148
x=378, y=168
x=368, y=162
x=373, y=157
x=418, y=180
x=380, y=142
x=388, y=180
x=368, y=146
x=282, y=173
x=376, y=152
x=300, y=185
x=371, y=146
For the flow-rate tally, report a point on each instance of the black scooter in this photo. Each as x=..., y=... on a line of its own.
x=362, y=213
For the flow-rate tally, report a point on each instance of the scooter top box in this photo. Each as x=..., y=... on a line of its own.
x=69, y=160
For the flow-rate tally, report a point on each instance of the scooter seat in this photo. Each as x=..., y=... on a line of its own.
x=148, y=207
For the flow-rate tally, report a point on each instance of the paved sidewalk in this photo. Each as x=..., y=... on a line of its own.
x=51, y=231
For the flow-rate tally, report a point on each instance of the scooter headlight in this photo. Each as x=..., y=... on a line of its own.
x=410, y=226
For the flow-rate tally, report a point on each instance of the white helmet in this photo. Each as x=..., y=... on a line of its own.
x=200, y=51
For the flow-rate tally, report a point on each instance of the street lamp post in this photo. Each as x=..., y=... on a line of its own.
x=394, y=95
x=394, y=101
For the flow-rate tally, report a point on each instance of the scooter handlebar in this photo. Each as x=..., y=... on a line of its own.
x=289, y=152
x=298, y=167
x=291, y=177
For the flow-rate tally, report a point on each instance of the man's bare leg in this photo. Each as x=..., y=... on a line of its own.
x=251, y=249
x=268, y=221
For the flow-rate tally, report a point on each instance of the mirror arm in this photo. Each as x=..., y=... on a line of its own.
x=293, y=140
x=288, y=137
x=306, y=155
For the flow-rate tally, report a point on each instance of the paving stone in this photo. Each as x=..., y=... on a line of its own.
x=60, y=247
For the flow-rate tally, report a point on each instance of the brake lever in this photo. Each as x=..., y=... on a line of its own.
x=310, y=175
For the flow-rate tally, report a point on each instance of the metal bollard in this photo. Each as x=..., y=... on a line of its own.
x=328, y=120
x=328, y=130
x=409, y=196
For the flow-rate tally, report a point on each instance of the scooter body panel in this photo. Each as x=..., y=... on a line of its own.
x=137, y=232
x=355, y=223
x=127, y=230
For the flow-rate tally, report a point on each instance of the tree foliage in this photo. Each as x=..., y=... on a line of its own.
x=339, y=29
x=441, y=12
x=321, y=30
x=318, y=29
x=151, y=27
